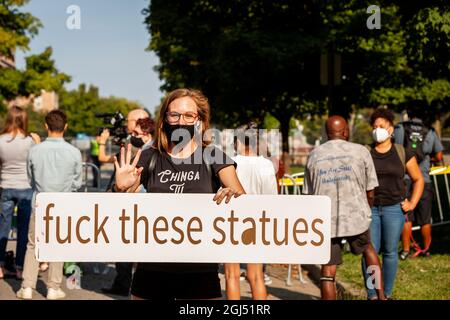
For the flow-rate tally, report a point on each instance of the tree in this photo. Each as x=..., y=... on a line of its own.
x=16, y=30
x=426, y=53
x=83, y=104
x=248, y=57
x=255, y=57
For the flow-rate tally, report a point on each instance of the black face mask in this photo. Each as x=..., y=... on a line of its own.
x=136, y=142
x=183, y=136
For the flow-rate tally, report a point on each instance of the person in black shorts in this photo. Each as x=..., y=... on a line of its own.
x=345, y=172
x=183, y=119
x=422, y=139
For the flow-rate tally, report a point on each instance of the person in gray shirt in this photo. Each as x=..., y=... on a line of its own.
x=16, y=192
x=345, y=172
x=424, y=142
x=53, y=166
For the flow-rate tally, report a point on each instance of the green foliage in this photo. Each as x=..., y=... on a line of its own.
x=16, y=28
x=41, y=74
x=82, y=104
x=361, y=131
x=255, y=57
x=36, y=122
x=270, y=122
x=312, y=128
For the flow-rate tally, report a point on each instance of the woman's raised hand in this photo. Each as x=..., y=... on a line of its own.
x=127, y=174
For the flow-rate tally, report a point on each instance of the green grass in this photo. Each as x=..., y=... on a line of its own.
x=417, y=279
x=297, y=169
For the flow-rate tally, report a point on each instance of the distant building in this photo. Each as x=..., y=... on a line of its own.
x=8, y=61
x=299, y=148
x=44, y=103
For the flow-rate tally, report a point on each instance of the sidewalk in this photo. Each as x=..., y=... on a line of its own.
x=92, y=283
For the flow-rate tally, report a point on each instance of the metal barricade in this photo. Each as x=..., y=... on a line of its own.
x=86, y=166
x=286, y=182
x=441, y=203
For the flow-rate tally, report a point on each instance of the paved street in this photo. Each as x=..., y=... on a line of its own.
x=93, y=280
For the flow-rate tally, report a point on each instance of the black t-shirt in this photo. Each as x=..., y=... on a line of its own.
x=189, y=176
x=390, y=172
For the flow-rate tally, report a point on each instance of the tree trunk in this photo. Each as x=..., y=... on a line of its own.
x=438, y=127
x=284, y=128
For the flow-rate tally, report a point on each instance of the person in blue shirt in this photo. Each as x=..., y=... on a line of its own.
x=423, y=140
x=52, y=166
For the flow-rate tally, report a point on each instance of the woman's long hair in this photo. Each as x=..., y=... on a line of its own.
x=203, y=110
x=16, y=122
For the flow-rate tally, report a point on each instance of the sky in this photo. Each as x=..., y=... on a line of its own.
x=107, y=51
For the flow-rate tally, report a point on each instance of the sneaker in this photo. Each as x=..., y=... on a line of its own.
x=267, y=279
x=25, y=293
x=243, y=277
x=425, y=254
x=404, y=255
x=55, y=294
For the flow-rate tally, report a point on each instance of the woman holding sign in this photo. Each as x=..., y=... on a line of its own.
x=179, y=162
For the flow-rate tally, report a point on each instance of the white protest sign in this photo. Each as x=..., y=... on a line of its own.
x=115, y=227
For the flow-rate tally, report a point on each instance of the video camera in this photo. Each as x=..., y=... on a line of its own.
x=116, y=126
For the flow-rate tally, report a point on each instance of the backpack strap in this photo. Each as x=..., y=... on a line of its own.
x=152, y=164
x=401, y=153
x=212, y=177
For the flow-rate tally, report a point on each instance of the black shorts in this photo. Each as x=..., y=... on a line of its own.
x=156, y=285
x=421, y=215
x=357, y=244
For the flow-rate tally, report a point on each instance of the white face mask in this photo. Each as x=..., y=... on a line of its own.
x=380, y=135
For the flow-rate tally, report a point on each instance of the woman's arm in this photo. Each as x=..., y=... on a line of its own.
x=231, y=185
x=413, y=170
x=35, y=137
x=102, y=157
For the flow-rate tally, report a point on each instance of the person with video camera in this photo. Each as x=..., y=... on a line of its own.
x=139, y=126
x=180, y=146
